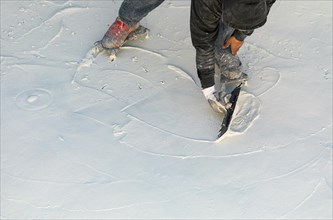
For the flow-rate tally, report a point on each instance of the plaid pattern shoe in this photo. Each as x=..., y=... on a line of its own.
x=117, y=34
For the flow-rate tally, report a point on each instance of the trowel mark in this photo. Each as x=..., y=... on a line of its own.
x=144, y=50
x=56, y=36
x=167, y=132
x=180, y=72
x=60, y=12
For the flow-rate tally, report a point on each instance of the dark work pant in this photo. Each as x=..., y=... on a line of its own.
x=208, y=34
x=132, y=11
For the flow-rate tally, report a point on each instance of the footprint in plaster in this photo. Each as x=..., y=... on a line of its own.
x=34, y=99
x=246, y=112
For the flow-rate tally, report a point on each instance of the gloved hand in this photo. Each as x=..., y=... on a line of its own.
x=234, y=45
x=213, y=99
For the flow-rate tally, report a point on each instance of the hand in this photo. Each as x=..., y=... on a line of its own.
x=234, y=45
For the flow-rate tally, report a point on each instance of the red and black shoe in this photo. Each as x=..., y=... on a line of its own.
x=117, y=34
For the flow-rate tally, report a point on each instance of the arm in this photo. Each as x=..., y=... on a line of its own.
x=236, y=41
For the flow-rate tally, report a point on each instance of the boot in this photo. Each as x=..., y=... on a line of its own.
x=117, y=34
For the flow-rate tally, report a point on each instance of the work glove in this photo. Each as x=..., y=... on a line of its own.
x=214, y=101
